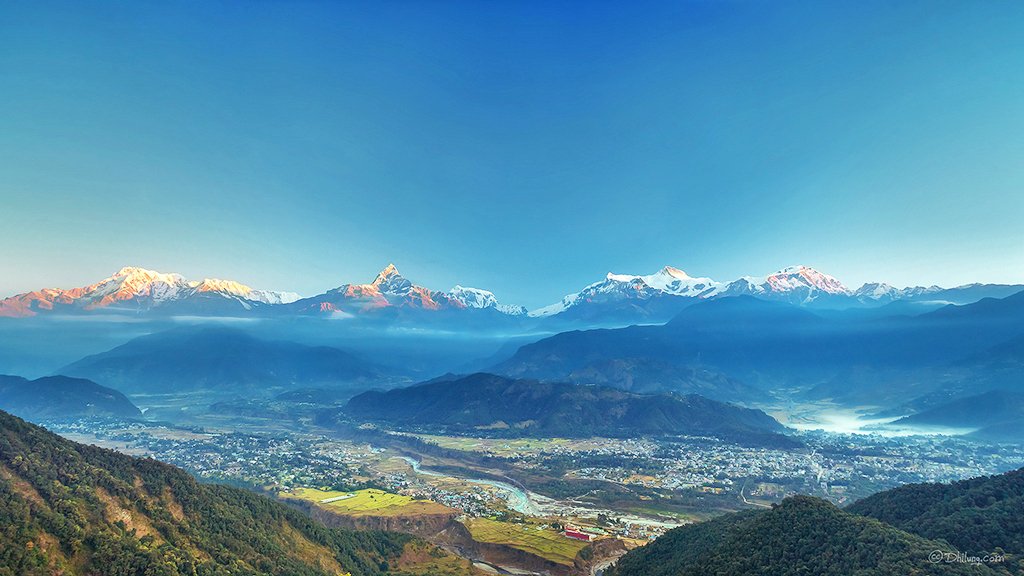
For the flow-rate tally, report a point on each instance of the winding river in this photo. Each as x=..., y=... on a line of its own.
x=517, y=498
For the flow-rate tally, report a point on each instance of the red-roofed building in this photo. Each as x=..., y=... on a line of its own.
x=576, y=535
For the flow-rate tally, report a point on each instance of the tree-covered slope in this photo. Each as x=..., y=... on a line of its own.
x=527, y=407
x=979, y=515
x=801, y=536
x=71, y=509
x=62, y=397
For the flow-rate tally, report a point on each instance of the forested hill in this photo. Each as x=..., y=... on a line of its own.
x=61, y=397
x=71, y=509
x=800, y=536
x=498, y=405
x=980, y=515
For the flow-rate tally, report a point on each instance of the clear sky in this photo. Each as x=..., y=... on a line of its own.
x=523, y=147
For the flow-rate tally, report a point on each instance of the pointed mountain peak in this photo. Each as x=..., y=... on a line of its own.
x=390, y=281
x=388, y=273
x=674, y=272
x=621, y=277
x=218, y=285
x=134, y=271
x=796, y=276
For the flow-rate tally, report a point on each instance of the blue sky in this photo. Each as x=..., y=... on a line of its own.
x=524, y=147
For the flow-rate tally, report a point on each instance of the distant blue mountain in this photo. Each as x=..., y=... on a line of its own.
x=61, y=397
x=775, y=345
x=997, y=414
x=218, y=358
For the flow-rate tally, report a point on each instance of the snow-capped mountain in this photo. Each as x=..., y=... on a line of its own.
x=660, y=295
x=618, y=299
x=483, y=299
x=795, y=284
x=880, y=292
x=620, y=287
x=230, y=287
x=391, y=290
x=137, y=290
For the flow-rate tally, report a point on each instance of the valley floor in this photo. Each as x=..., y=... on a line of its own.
x=522, y=495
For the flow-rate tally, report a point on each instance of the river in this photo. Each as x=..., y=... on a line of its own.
x=517, y=498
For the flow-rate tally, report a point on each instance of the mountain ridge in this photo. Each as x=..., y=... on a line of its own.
x=220, y=358
x=618, y=297
x=488, y=403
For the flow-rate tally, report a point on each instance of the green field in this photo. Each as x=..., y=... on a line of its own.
x=369, y=502
x=512, y=446
x=545, y=543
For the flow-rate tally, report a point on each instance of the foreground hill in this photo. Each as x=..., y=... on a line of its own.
x=59, y=397
x=978, y=516
x=71, y=509
x=802, y=535
x=506, y=406
x=219, y=358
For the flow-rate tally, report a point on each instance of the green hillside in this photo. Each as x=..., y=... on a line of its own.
x=979, y=515
x=801, y=536
x=71, y=509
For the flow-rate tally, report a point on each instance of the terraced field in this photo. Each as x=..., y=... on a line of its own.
x=545, y=543
x=369, y=502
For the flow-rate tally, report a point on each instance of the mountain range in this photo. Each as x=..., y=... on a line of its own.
x=923, y=360
x=390, y=292
x=137, y=290
x=617, y=299
x=657, y=297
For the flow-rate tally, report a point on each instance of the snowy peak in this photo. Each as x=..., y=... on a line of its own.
x=389, y=274
x=390, y=281
x=128, y=283
x=674, y=281
x=626, y=287
x=674, y=273
x=877, y=291
x=482, y=299
x=805, y=277
x=473, y=297
x=231, y=288
x=136, y=290
x=390, y=289
x=795, y=284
